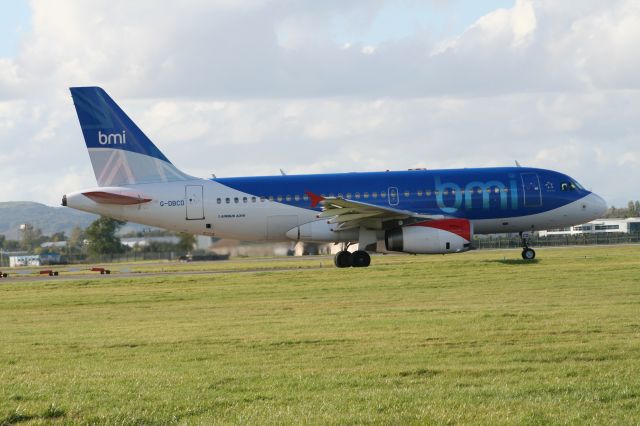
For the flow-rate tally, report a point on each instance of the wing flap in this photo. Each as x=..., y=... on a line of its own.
x=349, y=214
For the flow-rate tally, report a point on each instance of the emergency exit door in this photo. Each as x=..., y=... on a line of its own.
x=194, y=202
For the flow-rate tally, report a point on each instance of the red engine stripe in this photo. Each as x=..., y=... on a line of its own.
x=461, y=227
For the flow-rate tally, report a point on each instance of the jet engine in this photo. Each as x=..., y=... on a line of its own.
x=431, y=237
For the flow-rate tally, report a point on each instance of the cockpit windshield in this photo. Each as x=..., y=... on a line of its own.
x=571, y=185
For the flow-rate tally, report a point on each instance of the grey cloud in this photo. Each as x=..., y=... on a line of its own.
x=247, y=87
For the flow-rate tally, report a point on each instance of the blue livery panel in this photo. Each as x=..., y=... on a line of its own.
x=485, y=193
x=105, y=125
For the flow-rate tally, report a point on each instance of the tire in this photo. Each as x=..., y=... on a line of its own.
x=528, y=254
x=342, y=259
x=360, y=259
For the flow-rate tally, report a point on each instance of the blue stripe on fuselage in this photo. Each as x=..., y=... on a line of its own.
x=483, y=193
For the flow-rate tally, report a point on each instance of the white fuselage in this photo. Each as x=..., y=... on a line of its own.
x=207, y=207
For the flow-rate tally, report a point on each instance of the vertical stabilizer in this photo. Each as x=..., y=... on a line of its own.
x=120, y=153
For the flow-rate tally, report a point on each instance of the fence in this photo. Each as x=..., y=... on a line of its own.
x=558, y=240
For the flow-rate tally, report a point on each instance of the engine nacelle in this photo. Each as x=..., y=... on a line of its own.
x=431, y=237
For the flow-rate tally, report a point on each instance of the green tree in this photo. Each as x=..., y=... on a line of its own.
x=31, y=237
x=58, y=236
x=102, y=236
x=2, y=240
x=636, y=205
x=76, y=240
x=186, y=243
x=11, y=245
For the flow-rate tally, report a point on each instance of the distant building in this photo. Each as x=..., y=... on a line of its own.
x=53, y=244
x=34, y=260
x=599, y=226
x=145, y=241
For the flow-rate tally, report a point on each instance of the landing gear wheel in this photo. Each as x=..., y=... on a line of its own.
x=360, y=259
x=342, y=259
x=528, y=254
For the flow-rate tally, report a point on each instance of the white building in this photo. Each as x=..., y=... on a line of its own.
x=34, y=260
x=599, y=226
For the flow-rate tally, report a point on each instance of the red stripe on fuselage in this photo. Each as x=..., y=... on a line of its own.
x=103, y=197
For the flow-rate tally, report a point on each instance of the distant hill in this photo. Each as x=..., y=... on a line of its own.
x=48, y=219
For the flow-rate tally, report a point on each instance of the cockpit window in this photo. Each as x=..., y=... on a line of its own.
x=567, y=186
x=571, y=185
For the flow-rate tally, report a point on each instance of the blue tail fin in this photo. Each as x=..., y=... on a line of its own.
x=120, y=153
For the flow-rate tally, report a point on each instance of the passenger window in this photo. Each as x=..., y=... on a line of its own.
x=406, y=194
x=374, y=194
x=262, y=199
x=279, y=198
x=288, y=198
x=228, y=200
x=305, y=197
x=419, y=192
x=296, y=197
x=236, y=200
x=253, y=199
x=245, y=199
x=348, y=195
x=445, y=192
x=357, y=195
x=219, y=200
x=383, y=195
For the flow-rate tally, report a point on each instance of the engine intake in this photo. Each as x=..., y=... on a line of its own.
x=431, y=237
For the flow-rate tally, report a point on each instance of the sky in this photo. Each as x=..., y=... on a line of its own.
x=248, y=87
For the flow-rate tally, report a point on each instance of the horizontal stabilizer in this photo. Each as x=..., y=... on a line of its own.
x=103, y=197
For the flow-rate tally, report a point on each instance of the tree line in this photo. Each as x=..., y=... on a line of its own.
x=632, y=210
x=98, y=239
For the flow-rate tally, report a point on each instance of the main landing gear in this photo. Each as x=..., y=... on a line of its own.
x=527, y=252
x=357, y=259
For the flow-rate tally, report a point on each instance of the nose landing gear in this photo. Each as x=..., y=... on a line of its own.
x=527, y=252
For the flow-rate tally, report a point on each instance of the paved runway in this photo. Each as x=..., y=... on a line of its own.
x=124, y=270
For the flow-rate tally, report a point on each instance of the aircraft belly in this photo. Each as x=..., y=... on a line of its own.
x=570, y=214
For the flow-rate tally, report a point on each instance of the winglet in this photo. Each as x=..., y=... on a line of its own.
x=315, y=199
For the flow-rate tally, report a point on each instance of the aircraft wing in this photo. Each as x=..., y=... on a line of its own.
x=348, y=214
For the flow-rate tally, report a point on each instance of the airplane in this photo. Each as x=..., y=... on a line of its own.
x=415, y=211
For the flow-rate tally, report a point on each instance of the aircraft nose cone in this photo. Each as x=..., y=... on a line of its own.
x=598, y=204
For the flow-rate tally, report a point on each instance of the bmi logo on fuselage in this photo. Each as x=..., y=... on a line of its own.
x=462, y=195
x=112, y=138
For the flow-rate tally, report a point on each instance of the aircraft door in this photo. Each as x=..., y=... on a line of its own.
x=194, y=202
x=531, y=189
x=394, y=197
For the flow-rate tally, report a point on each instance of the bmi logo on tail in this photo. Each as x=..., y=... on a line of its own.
x=112, y=138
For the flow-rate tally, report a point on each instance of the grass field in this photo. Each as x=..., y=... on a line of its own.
x=476, y=338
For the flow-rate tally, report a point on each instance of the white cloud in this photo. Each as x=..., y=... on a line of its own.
x=248, y=87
